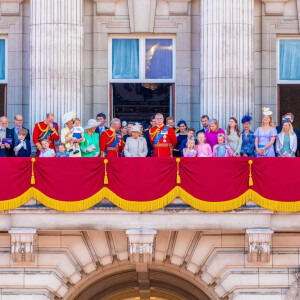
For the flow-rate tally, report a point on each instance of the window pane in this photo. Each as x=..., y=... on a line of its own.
x=2, y=59
x=289, y=60
x=125, y=59
x=159, y=58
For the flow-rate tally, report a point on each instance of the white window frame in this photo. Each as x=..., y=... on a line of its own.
x=280, y=38
x=142, y=50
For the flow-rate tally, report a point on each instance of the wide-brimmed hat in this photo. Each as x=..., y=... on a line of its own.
x=91, y=124
x=71, y=115
x=136, y=128
x=267, y=111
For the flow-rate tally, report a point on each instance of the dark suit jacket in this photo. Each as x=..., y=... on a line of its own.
x=8, y=152
x=98, y=131
x=25, y=153
x=149, y=145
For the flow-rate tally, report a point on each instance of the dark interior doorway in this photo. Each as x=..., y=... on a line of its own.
x=139, y=101
x=289, y=97
x=2, y=99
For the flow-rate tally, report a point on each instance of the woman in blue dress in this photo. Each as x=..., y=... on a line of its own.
x=181, y=136
x=286, y=143
x=248, y=145
x=265, y=135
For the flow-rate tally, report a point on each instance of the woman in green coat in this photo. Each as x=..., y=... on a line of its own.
x=90, y=146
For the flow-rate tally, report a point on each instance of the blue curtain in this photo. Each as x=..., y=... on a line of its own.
x=289, y=60
x=2, y=59
x=159, y=58
x=125, y=58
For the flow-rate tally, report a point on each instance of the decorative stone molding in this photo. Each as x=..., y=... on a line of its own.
x=141, y=22
x=22, y=244
x=178, y=7
x=274, y=7
x=105, y=7
x=141, y=245
x=298, y=10
x=10, y=7
x=259, y=248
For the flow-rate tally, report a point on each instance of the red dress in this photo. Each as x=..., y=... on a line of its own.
x=42, y=132
x=163, y=139
x=111, y=143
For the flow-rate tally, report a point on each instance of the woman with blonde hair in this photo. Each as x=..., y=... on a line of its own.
x=211, y=135
x=286, y=143
x=265, y=135
x=234, y=137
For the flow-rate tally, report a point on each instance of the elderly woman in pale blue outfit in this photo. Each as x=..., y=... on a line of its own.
x=286, y=143
x=265, y=135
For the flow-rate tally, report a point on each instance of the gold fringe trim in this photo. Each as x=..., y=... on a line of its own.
x=16, y=202
x=149, y=205
x=104, y=193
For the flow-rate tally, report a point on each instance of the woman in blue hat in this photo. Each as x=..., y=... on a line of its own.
x=248, y=145
x=181, y=136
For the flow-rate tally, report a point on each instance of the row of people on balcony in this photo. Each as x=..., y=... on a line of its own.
x=159, y=140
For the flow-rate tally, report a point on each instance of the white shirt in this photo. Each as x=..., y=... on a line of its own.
x=47, y=153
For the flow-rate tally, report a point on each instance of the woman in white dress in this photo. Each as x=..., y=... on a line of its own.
x=136, y=146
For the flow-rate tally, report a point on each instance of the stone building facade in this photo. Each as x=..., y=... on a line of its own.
x=225, y=61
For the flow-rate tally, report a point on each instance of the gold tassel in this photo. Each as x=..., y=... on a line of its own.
x=178, y=176
x=250, y=162
x=105, y=173
x=32, y=173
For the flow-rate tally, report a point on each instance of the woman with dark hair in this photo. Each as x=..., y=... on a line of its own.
x=181, y=136
x=248, y=145
x=234, y=137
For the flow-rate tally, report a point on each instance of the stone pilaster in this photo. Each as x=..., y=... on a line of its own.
x=226, y=75
x=56, y=58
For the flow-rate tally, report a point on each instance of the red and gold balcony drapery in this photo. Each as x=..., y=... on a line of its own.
x=145, y=184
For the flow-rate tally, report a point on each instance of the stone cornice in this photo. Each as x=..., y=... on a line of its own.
x=10, y=7
x=274, y=7
x=178, y=7
x=105, y=7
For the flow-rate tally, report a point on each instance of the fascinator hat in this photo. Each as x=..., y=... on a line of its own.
x=124, y=123
x=286, y=121
x=267, y=111
x=211, y=121
x=181, y=122
x=246, y=118
x=71, y=115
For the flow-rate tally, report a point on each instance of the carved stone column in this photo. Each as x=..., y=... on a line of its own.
x=56, y=58
x=260, y=241
x=22, y=244
x=226, y=75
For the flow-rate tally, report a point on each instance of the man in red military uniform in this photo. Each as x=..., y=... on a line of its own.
x=162, y=138
x=46, y=130
x=111, y=141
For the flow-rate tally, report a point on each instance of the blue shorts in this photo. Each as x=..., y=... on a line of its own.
x=77, y=136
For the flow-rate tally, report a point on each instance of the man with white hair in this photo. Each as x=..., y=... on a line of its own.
x=111, y=141
x=46, y=130
x=162, y=138
x=6, y=139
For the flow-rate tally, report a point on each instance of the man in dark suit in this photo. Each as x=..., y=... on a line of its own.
x=18, y=126
x=291, y=117
x=5, y=148
x=101, y=118
x=147, y=137
x=204, y=121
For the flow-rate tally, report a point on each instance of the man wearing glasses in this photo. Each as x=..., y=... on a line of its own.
x=19, y=125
